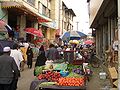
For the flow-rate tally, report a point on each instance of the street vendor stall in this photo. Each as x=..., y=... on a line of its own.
x=59, y=76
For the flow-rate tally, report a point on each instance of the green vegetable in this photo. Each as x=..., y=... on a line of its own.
x=38, y=70
x=72, y=74
x=43, y=84
x=70, y=67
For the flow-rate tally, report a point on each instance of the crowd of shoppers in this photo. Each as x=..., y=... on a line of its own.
x=22, y=53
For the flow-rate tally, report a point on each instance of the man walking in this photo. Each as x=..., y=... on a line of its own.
x=18, y=57
x=8, y=70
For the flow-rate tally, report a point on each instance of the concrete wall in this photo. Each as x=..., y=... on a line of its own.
x=94, y=7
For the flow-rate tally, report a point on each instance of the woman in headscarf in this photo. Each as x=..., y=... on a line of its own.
x=29, y=57
x=41, y=59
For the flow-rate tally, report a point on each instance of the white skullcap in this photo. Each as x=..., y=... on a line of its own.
x=6, y=49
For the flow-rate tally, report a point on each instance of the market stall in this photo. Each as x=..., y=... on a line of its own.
x=60, y=76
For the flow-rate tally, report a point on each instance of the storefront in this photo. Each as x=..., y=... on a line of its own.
x=20, y=17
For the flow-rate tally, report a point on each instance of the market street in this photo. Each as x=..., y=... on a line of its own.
x=26, y=78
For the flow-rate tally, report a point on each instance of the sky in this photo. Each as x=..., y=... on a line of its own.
x=81, y=10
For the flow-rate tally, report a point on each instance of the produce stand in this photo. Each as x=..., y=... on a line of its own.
x=63, y=76
x=55, y=87
x=35, y=83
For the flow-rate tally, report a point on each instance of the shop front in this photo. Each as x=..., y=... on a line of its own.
x=20, y=16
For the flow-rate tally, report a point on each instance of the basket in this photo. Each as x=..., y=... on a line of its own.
x=64, y=73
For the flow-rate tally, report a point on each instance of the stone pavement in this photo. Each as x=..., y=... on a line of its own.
x=96, y=83
x=26, y=78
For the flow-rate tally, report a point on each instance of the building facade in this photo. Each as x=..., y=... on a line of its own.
x=48, y=16
x=25, y=14
x=67, y=18
x=104, y=21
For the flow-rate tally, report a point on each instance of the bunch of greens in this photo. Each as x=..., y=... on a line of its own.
x=38, y=70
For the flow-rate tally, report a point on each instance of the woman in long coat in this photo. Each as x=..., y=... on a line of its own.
x=41, y=59
x=29, y=57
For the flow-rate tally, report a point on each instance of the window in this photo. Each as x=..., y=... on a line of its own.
x=49, y=14
x=31, y=2
x=64, y=25
x=44, y=10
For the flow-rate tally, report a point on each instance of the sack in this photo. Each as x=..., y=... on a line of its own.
x=49, y=64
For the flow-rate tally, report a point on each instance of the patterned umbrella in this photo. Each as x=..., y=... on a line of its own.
x=34, y=31
x=73, y=35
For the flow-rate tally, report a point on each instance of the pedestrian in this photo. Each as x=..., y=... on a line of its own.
x=23, y=50
x=35, y=52
x=29, y=57
x=18, y=57
x=8, y=70
x=52, y=53
x=41, y=59
x=60, y=50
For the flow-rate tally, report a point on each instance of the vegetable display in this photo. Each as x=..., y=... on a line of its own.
x=50, y=76
x=47, y=84
x=72, y=74
x=38, y=70
x=69, y=75
x=71, y=81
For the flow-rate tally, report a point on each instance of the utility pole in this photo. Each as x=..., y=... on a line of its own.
x=77, y=25
x=118, y=2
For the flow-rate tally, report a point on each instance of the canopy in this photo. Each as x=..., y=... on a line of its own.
x=34, y=31
x=88, y=42
x=74, y=41
x=4, y=26
x=73, y=35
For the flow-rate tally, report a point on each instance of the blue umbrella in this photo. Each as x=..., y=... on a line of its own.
x=73, y=35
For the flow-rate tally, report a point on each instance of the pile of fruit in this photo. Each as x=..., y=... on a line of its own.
x=71, y=81
x=73, y=75
x=50, y=76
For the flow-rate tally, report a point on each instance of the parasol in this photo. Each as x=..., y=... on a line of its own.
x=34, y=31
x=73, y=35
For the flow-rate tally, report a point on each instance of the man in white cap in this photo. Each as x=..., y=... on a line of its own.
x=18, y=57
x=8, y=70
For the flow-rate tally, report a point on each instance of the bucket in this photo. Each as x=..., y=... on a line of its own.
x=102, y=75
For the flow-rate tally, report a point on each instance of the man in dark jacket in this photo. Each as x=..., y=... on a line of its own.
x=52, y=53
x=8, y=70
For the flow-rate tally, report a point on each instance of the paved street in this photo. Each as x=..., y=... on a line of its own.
x=25, y=79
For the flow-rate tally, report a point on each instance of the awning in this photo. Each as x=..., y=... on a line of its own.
x=10, y=4
x=4, y=26
x=51, y=25
x=25, y=7
x=44, y=19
